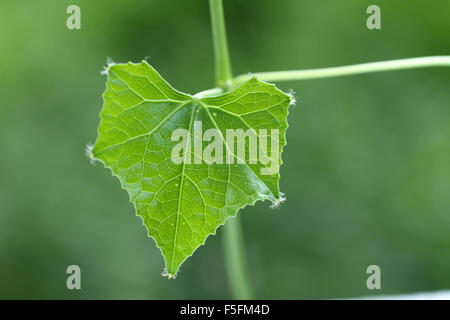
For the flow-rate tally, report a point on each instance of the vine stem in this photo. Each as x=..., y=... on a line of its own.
x=400, y=64
x=221, y=55
x=234, y=251
x=235, y=260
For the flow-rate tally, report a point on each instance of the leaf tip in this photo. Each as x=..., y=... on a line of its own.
x=88, y=152
x=277, y=202
x=109, y=64
x=168, y=274
x=291, y=95
x=252, y=76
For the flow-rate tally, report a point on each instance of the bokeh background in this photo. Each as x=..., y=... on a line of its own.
x=366, y=170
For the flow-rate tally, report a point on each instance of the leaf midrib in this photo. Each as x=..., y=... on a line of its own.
x=181, y=191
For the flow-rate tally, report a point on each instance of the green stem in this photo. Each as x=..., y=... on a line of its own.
x=235, y=260
x=209, y=93
x=401, y=64
x=234, y=251
x=222, y=58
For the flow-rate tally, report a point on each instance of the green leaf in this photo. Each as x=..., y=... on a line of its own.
x=181, y=204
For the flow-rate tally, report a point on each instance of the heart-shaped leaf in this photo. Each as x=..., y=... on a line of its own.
x=190, y=163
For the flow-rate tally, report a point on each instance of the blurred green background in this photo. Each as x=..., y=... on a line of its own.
x=366, y=171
